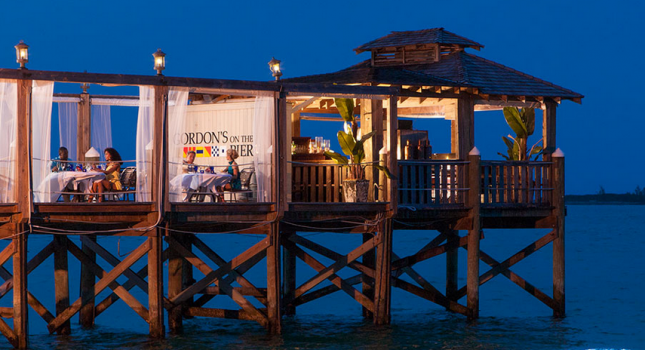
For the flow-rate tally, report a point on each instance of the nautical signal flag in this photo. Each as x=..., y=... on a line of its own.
x=206, y=151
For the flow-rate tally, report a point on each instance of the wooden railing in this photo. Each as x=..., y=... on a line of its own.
x=513, y=183
x=432, y=183
x=317, y=182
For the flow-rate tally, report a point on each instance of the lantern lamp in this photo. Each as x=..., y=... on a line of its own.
x=160, y=61
x=22, y=53
x=274, y=66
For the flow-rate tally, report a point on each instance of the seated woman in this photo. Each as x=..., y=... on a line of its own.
x=112, y=172
x=233, y=170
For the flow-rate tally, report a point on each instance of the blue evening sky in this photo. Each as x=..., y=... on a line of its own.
x=592, y=47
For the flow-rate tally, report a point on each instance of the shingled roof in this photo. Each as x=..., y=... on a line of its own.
x=418, y=37
x=458, y=69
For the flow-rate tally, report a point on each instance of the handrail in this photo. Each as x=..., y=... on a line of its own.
x=517, y=183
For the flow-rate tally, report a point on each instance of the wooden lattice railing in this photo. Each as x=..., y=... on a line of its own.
x=513, y=183
x=432, y=183
x=314, y=182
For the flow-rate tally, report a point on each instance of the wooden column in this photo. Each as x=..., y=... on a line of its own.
x=175, y=286
x=474, y=201
x=558, y=242
x=83, y=127
x=372, y=120
x=369, y=260
x=61, y=280
x=465, y=126
x=273, y=281
x=23, y=150
x=86, y=313
x=452, y=265
x=155, y=285
x=283, y=145
x=295, y=124
x=159, y=157
x=392, y=184
x=454, y=137
x=20, y=309
x=548, y=128
x=383, y=273
x=289, y=276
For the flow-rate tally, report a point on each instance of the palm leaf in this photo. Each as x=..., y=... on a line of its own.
x=337, y=157
x=387, y=172
x=513, y=119
x=345, y=108
x=347, y=143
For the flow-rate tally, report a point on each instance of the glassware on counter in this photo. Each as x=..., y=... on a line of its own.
x=327, y=145
x=319, y=144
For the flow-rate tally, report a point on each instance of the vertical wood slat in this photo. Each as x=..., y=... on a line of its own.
x=429, y=184
x=329, y=184
x=516, y=184
x=502, y=184
x=538, y=184
x=320, y=183
x=493, y=178
x=413, y=184
x=444, y=184
x=297, y=173
x=453, y=193
x=422, y=184
x=485, y=190
x=337, y=184
x=405, y=186
x=437, y=179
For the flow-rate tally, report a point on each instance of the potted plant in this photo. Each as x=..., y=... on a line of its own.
x=355, y=187
x=522, y=121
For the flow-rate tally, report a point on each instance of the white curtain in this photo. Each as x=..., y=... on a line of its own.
x=263, y=136
x=145, y=127
x=101, y=129
x=177, y=106
x=67, y=126
x=41, y=105
x=8, y=124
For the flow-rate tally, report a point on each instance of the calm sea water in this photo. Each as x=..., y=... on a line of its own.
x=605, y=277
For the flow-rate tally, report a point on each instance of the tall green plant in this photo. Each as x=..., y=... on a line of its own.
x=352, y=147
x=522, y=122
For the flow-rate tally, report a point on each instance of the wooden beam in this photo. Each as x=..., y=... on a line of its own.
x=23, y=150
x=155, y=286
x=86, y=313
x=559, y=211
x=548, y=129
x=289, y=276
x=392, y=165
x=371, y=112
x=452, y=265
x=382, y=282
x=274, y=310
x=175, y=285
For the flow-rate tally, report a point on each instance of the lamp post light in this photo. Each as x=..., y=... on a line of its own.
x=160, y=61
x=22, y=53
x=274, y=66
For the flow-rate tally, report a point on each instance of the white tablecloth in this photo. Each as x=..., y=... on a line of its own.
x=49, y=190
x=193, y=181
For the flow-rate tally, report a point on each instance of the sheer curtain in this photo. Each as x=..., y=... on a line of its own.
x=101, y=129
x=67, y=126
x=177, y=106
x=263, y=135
x=145, y=127
x=41, y=105
x=8, y=124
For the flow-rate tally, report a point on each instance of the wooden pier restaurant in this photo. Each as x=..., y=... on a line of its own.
x=276, y=184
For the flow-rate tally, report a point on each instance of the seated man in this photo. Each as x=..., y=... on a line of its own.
x=63, y=163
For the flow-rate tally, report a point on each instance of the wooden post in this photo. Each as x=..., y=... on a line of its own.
x=558, y=242
x=392, y=165
x=83, y=127
x=155, y=285
x=548, y=128
x=454, y=137
x=175, y=286
x=20, y=310
x=465, y=125
x=159, y=137
x=282, y=146
x=273, y=281
x=369, y=260
x=289, y=275
x=295, y=124
x=372, y=120
x=383, y=273
x=86, y=313
x=452, y=264
x=23, y=150
x=474, y=201
x=61, y=280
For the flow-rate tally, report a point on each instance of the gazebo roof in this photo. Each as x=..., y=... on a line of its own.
x=458, y=69
x=418, y=37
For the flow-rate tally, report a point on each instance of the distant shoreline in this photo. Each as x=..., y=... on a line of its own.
x=605, y=199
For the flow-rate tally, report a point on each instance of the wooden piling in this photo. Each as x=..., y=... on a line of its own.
x=474, y=201
x=452, y=265
x=175, y=285
x=289, y=276
x=558, y=242
x=273, y=281
x=61, y=280
x=369, y=260
x=382, y=283
x=20, y=310
x=88, y=279
x=155, y=285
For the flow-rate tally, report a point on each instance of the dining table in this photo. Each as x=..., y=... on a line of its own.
x=185, y=184
x=51, y=188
